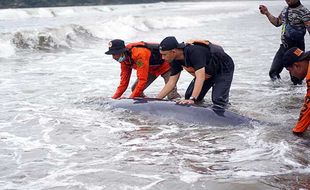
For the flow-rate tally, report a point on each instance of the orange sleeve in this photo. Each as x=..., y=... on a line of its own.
x=304, y=117
x=141, y=58
x=125, y=78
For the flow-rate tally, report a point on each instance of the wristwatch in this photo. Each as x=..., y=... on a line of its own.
x=193, y=98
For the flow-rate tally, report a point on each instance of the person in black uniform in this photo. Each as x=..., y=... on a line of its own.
x=295, y=20
x=207, y=62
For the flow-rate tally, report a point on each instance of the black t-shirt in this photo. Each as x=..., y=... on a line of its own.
x=211, y=57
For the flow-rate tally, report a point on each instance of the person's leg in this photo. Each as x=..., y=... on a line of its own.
x=174, y=93
x=277, y=66
x=301, y=45
x=221, y=89
x=189, y=90
x=205, y=88
x=150, y=80
x=134, y=85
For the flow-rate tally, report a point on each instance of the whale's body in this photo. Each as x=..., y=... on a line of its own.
x=185, y=113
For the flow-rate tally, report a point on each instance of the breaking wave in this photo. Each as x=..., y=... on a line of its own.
x=63, y=38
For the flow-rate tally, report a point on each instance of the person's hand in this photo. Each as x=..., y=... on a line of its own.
x=186, y=102
x=263, y=9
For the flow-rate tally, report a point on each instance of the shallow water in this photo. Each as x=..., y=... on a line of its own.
x=55, y=134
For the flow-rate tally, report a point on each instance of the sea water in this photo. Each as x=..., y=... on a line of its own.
x=56, y=134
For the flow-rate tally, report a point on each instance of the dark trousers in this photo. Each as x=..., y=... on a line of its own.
x=151, y=78
x=277, y=64
x=220, y=89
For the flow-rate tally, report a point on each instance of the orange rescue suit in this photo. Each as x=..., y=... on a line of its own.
x=304, y=118
x=139, y=59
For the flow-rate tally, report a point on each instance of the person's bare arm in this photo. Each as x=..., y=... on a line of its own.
x=200, y=79
x=276, y=21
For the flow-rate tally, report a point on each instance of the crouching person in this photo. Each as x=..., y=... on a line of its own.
x=146, y=59
x=297, y=63
x=210, y=66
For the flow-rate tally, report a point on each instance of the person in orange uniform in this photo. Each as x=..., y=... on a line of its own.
x=146, y=59
x=297, y=63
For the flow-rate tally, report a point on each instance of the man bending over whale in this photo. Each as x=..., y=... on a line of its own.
x=297, y=63
x=207, y=62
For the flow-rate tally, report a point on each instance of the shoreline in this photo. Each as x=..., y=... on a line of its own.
x=22, y=5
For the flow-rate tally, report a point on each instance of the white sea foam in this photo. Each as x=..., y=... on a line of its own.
x=173, y=22
x=190, y=177
x=6, y=49
x=24, y=143
x=13, y=14
x=65, y=12
x=260, y=149
x=41, y=13
x=121, y=27
x=247, y=174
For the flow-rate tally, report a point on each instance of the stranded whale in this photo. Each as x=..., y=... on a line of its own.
x=191, y=114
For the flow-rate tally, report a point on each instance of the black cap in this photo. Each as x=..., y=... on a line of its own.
x=294, y=55
x=170, y=43
x=116, y=47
